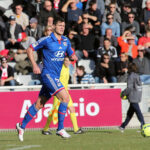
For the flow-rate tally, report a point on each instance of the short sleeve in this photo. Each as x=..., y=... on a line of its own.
x=41, y=43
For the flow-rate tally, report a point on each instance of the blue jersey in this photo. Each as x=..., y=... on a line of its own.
x=53, y=53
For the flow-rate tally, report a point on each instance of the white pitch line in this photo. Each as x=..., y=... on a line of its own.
x=24, y=147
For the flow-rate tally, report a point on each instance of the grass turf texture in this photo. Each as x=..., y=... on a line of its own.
x=131, y=139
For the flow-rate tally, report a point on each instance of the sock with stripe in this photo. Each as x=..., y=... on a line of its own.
x=74, y=121
x=32, y=111
x=61, y=115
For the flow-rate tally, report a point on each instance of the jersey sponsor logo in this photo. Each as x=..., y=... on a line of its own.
x=59, y=54
x=65, y=43
x=57, y=59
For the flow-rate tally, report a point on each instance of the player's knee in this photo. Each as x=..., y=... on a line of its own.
x=65, y=99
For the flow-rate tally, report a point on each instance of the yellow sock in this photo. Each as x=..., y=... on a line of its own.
x=49, y=119
x=74, y=121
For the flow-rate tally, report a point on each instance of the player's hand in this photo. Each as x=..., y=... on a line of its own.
x=36, y=69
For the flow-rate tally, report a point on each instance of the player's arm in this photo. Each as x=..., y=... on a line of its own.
x=73, y=57
x=36, y=68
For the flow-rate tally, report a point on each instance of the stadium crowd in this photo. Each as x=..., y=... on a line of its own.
x=110, y=33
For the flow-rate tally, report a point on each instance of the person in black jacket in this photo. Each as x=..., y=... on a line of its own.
x=13, y=30
x=105, y=70
x=134, y=95
x=47, y=11
x=121, y=67
x=6, y=73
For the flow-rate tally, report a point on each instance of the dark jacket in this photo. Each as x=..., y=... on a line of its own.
x=44, y=14
x=134, y=88
x=105, y=72
x=37, y=34
x=18, y=29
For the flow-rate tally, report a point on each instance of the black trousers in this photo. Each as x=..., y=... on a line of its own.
x=134, y=107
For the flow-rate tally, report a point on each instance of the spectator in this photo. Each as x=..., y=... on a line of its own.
x=136, y=6
x=87, y=49
x=3, y=34
x=34, y=29
x=126, y=8
x=29, y=8
x=48, y=30
x=143, y=64
x=122, y=68
x=147, y=26
x=74, y=39
x=100, y=5
x=107, y=49
x=85, y=20
x=105, y=71
x=50, y=21
x=21, y=17
x=110, y=23
x=38, y=6
x=58, y=4
x=6, y=73
x=127, y=44
x=109, y=36
x=145, y=14
x=81, y=77
x=117, y=2
x=73, y=13
x=145, y=40
x=94, y=16
x=112, y=10
x=13, y=30
x=132, y=23
x=47, y=11
x=23, y=65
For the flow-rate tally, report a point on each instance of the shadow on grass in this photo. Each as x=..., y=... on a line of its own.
x=94, y=131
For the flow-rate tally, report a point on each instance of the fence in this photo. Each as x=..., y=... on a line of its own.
x=107, y=93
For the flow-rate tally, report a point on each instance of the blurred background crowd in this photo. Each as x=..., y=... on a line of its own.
x=106, y=36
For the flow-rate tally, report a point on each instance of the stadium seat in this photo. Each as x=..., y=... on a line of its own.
x=23, y=79
x=88, y=64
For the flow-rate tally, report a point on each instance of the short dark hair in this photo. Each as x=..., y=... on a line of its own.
x=105, y=54
x=58, y=19
x=132, y=67
x=109, y=14
x=92, y=2
x=107, y=39
x=81, y=68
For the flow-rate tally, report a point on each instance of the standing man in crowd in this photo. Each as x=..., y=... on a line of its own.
x=54, y=48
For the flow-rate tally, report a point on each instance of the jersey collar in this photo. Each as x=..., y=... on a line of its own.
x=54, y=37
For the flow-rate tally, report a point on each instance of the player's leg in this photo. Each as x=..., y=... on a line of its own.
x=63, y=96
x=51, y=115
x=130, y=113
x=32, y=111
x=138, y=113
x=73, y=117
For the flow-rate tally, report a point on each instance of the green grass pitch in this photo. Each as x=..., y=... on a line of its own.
x=109, y=139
